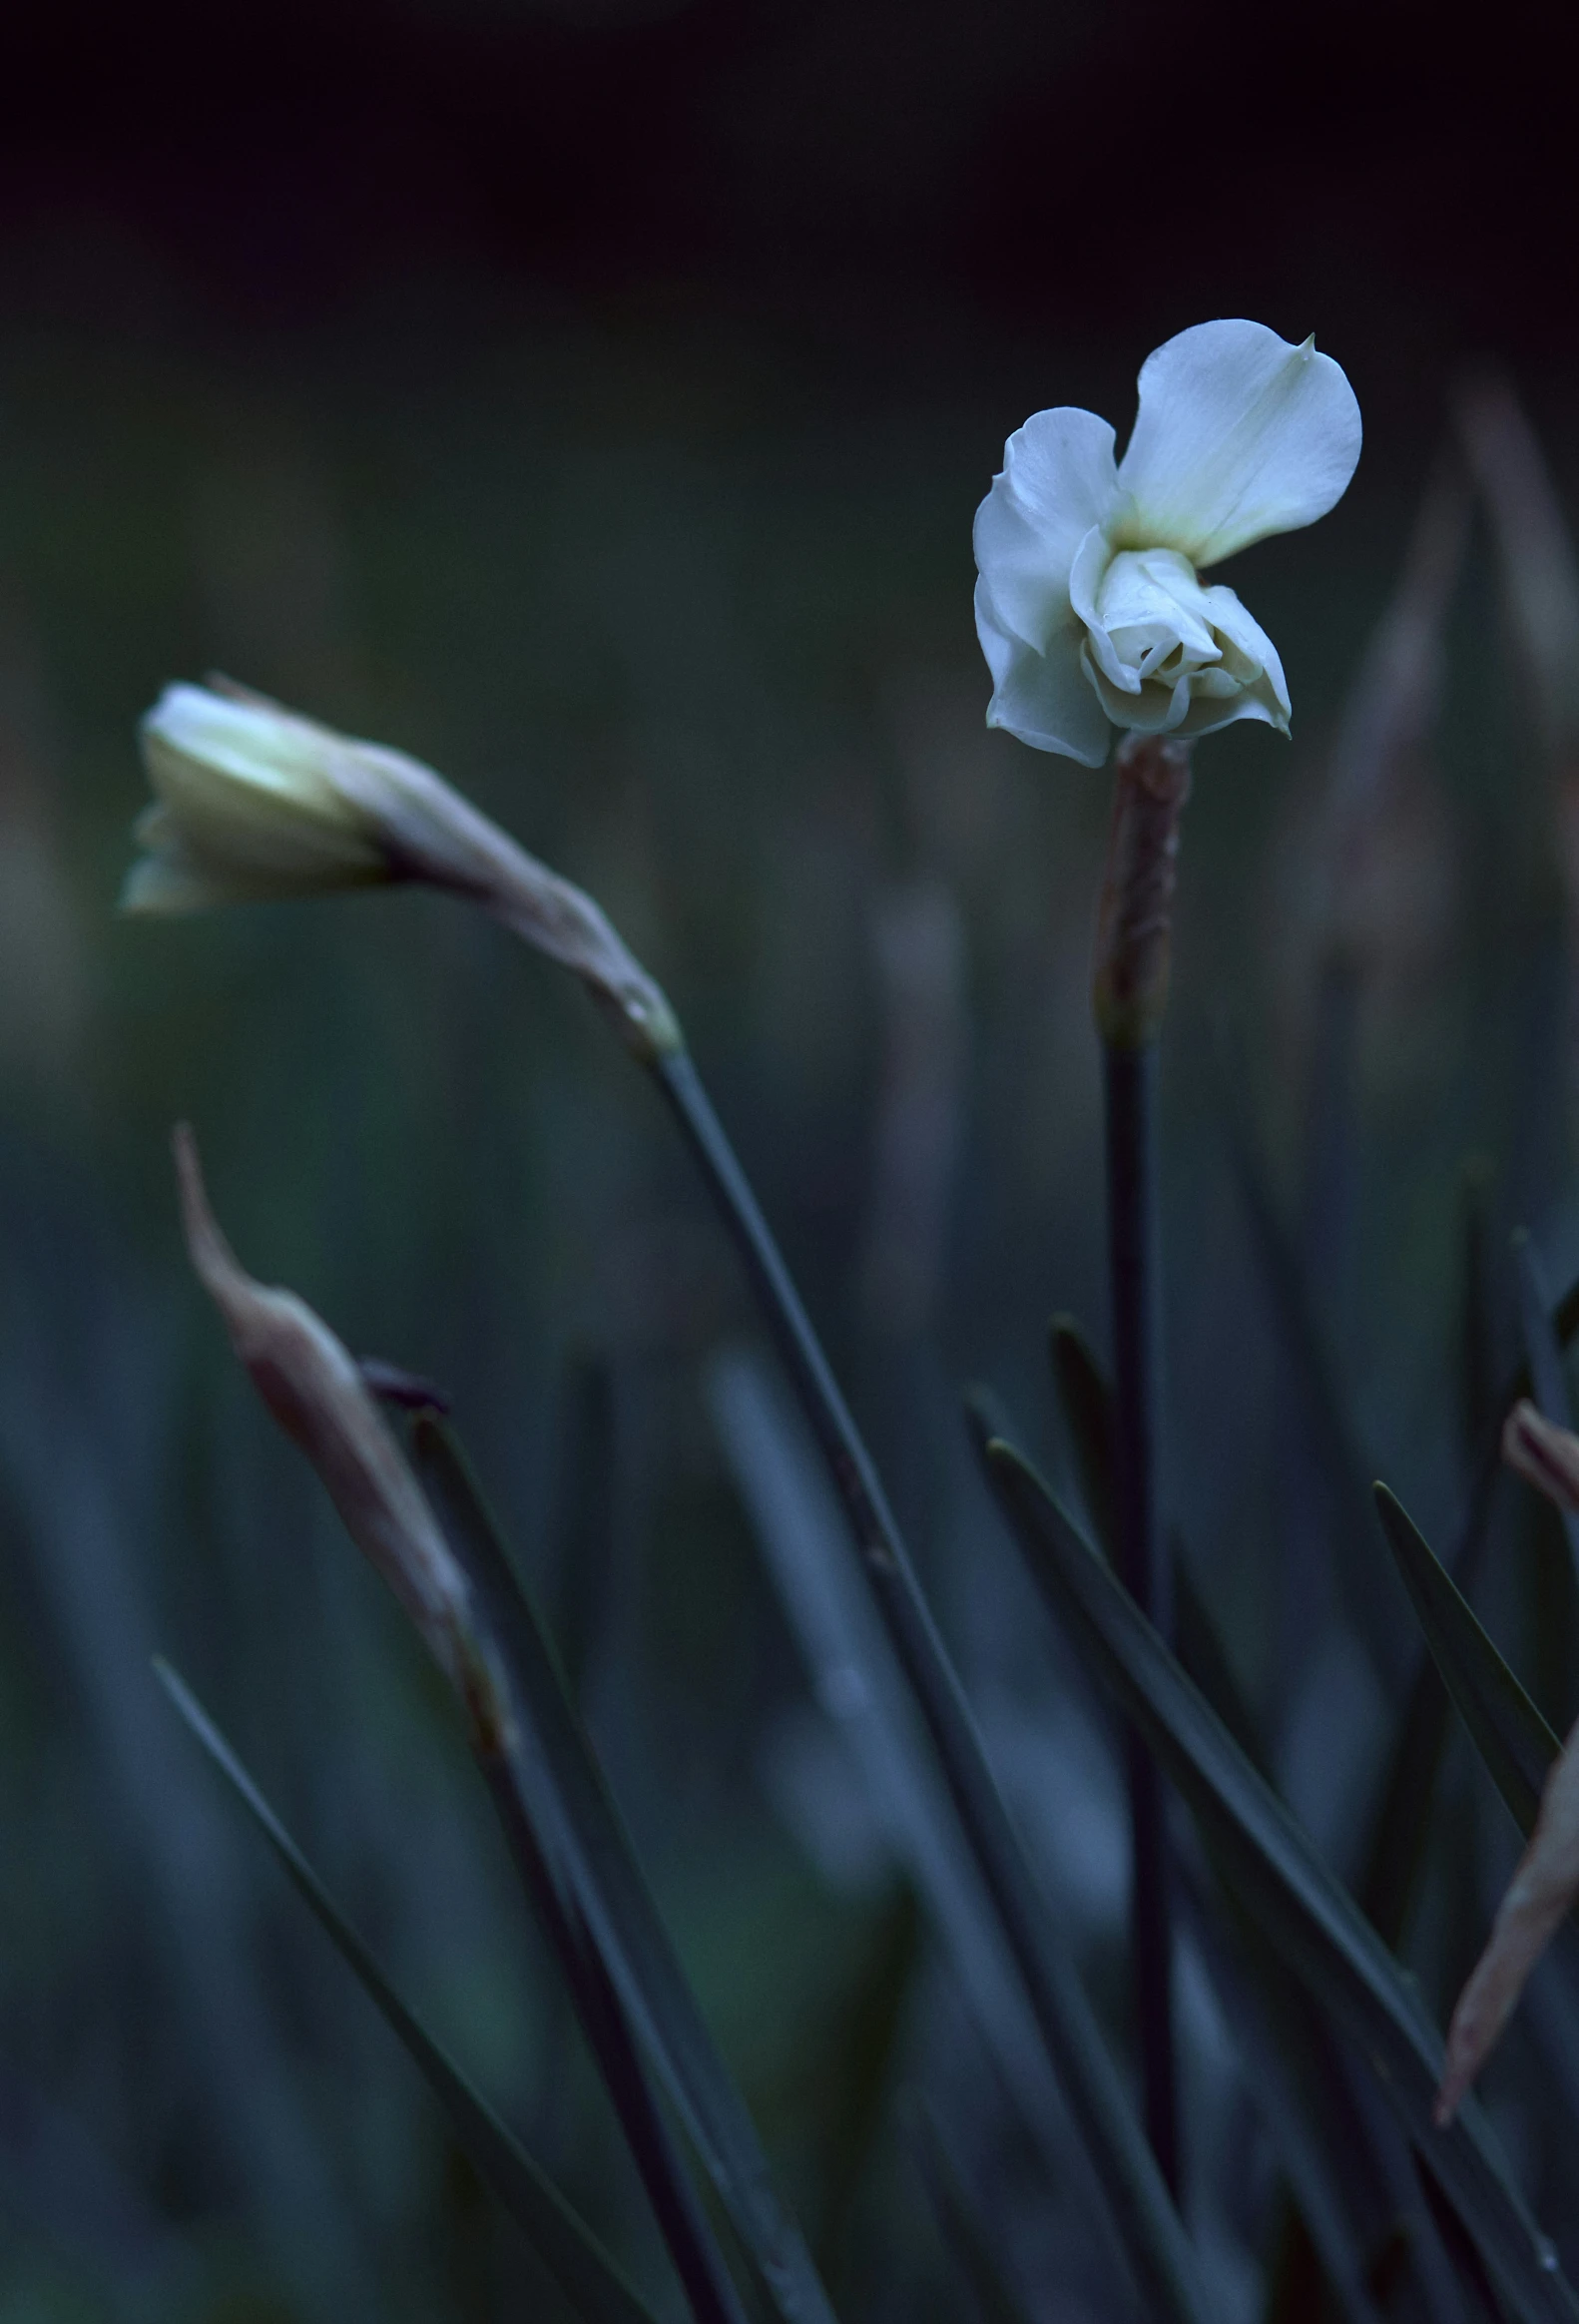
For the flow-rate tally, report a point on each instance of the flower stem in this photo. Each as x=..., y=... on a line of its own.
x=1143, y=2212
x=1130, y=999
x=1130, y=1081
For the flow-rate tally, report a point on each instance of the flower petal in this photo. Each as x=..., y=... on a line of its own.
x=1257, y=703
x=1233, y=622
x=251, y=794
x=1058, y=480
x=1043, y=698
x=165, y=884
x=1238, y=434
x=1149, y=608
x=1086, y=576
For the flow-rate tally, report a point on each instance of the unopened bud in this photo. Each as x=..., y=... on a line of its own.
x=1135, y=917
x=1545, y=1456
x=252, y=801
x=316, y=1392
x=1538, y=1900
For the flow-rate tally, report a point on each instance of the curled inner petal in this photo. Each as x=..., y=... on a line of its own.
x=1166, y=655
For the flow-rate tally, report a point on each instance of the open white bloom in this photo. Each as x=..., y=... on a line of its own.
x=1089, y=604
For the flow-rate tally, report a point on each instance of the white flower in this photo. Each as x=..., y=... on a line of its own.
x=1089, y=606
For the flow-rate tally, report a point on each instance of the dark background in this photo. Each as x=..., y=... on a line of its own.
x=1403, y=171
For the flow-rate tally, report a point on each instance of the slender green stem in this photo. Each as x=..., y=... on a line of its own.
x=1143, y=2211
x=1130, y=1085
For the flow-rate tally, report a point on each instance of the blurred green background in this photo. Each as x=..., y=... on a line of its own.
x=594, y=401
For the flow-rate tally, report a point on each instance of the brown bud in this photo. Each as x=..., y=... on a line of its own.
x=1538, y=1900
x=316, y=1392
x=1135, y=915
x=1547, y=1456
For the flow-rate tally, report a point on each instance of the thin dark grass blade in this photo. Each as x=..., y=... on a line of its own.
x=569, y=2251
x=1565, y=1323
x=1303, y=1909
x=801, y=1530
x=1348, y=1470
x=1466, y=2260
x=1546, y=1360
x=1477, y=1312
x=1281, y=2106
x=531, y=1813
x=1401, y=1827
x=1365, y=2153
x=967, y=2241
x=1505, y=1727
x=625, y=1921
x=1086, y=1402
x=1141, y=2209
x=1279, y=2009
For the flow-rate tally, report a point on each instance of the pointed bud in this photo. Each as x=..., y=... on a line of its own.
x=1539, y=1898
x=316, y=1391
x=1545, y=1456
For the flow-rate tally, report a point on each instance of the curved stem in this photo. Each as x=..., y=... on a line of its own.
x=1148, y=2224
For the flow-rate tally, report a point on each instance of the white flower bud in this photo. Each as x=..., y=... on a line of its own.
x=248, y=801
x=252, y=801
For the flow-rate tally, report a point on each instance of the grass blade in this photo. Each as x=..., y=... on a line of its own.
x=1143, y=2212
x=967, y=2241
x=1281, y=2104
x=613, y=1894
x=1267, y=2013
x=1401, y=1822
x=1477, y=1315
x=1506, y=1728
x=1304, y=1341
x=1086, y=1402
x=567, y=2249
x=1400, y=1825
x=1302, y=1908
x=1547, y=1376
x=855, y=1675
